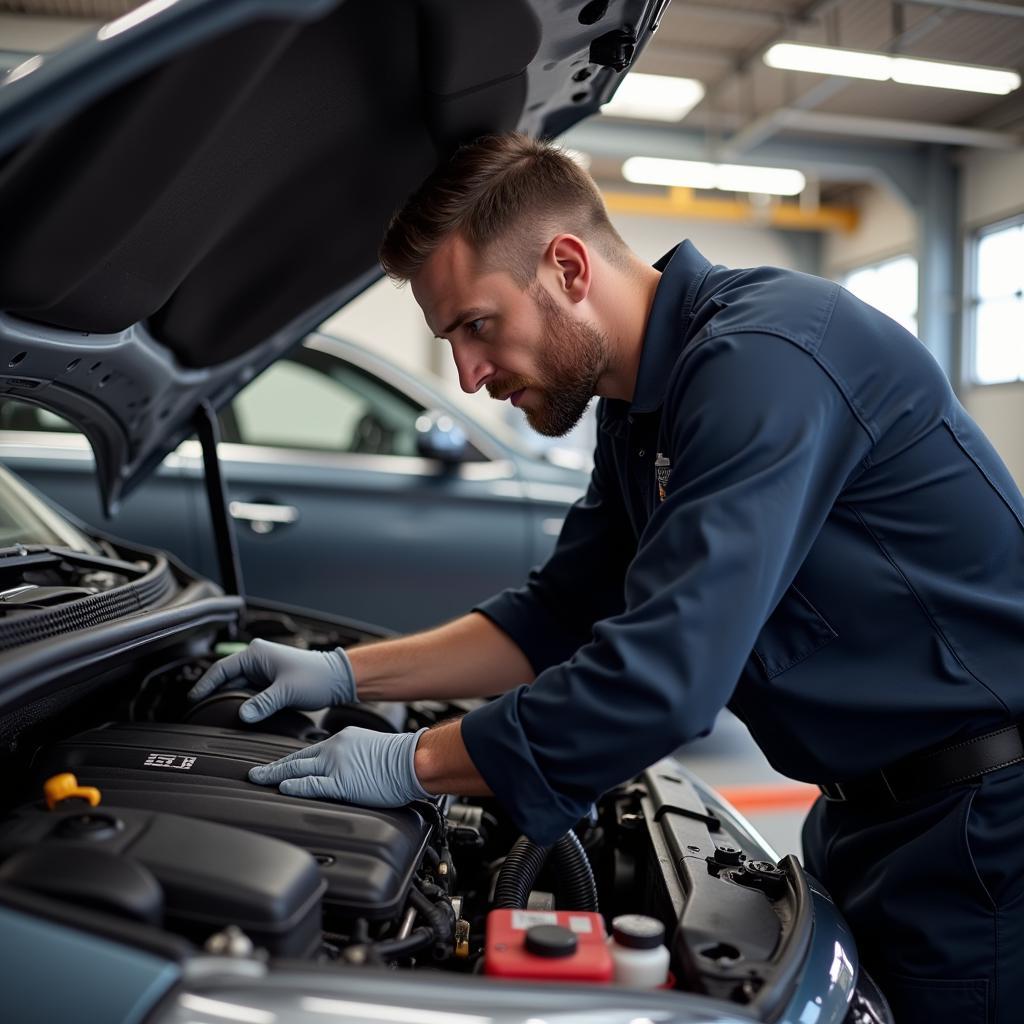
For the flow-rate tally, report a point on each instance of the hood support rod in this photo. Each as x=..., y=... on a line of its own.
x=208, y=431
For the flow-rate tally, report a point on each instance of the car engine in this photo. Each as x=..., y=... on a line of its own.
x=135, y=805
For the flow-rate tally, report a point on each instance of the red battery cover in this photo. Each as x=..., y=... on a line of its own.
x=506, y=955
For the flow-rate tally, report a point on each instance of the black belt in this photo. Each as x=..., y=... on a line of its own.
x=935, y=769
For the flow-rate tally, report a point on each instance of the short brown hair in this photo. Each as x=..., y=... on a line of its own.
x=501, y=188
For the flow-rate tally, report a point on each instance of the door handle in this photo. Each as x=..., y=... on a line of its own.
x=263, y=517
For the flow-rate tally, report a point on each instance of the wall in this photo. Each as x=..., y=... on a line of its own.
x=993, y=184
x=887, y=228
x=993, y=188
x=733, y=245
x=386, y=319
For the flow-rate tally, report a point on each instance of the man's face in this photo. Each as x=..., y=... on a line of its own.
x=523, y=346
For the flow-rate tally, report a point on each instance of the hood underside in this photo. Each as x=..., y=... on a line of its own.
x=189, y=191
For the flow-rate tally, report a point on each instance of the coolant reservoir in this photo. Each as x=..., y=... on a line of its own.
x=638, y=951
x=557, y=945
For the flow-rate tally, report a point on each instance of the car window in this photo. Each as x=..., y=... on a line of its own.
x=340, y=409
x=25, y=519
x=22, y=416
x=320, y=403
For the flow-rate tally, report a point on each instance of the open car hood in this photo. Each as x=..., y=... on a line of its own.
x=191, y=189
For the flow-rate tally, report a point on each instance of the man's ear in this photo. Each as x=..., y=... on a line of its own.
x=569, y=259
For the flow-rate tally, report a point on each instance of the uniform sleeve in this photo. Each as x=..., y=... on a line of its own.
x=553, y=615
x=762, y=441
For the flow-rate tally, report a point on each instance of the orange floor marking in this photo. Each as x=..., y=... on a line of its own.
x=796, y=796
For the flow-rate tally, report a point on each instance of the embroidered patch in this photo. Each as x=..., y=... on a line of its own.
x=662, y=468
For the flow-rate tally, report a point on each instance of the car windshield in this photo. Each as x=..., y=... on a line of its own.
x=26, y=520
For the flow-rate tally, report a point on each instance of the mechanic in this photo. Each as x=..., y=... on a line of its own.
x=790, y=513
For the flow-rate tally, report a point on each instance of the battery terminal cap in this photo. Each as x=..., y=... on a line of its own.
x=65, y=786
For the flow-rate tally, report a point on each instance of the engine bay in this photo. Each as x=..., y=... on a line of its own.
x=137, y=805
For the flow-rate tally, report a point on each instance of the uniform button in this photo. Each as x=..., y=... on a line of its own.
x=629, y=419
x=641, y=453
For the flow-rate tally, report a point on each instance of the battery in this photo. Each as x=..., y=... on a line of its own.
x=557, y=945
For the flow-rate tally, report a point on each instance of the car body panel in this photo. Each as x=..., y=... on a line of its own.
x=161, y=513
x=114, y=982
x=409, y=541
x=395, y=535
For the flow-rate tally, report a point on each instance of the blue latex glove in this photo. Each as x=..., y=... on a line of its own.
x=357, y=766
x=297, y=679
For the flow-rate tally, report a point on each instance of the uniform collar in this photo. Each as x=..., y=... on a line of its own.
x=683, y=270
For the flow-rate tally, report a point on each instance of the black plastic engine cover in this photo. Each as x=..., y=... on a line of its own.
x=210, y=875
x=367, y=856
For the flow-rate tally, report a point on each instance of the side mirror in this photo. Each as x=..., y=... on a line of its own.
x=440, y=437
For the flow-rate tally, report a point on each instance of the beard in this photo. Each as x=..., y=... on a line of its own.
x=573, y=358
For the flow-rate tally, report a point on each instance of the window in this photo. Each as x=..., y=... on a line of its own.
x=24, y=519
x=335, y=408
x=22, y=416
x=997, y=304
x=890, y=286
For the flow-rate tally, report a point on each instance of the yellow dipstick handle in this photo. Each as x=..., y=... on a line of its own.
x=61, y=787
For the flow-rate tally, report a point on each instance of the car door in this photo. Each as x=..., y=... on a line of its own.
x=48, y=453
x=335, y=509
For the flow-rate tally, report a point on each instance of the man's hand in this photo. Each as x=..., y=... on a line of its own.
x=356, y=765
x=293, y=678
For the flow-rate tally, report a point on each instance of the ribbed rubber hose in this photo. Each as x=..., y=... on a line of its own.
x=518, y=873
x=574, y=879
x=393, y=949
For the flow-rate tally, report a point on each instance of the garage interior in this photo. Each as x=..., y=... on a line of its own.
x=902, y=181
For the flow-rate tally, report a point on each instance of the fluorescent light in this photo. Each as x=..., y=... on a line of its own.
x=776, y=181
x=829, y=60
x=652, y=170
x=881, y=67
x=942, y=75
x=654, y=97
x=772, y=181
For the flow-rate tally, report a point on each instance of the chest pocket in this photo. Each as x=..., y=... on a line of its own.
x=793, y=632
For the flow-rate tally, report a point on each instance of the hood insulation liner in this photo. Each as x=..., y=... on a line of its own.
x=223, y=193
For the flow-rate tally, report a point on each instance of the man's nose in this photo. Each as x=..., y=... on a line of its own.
x=474, y=370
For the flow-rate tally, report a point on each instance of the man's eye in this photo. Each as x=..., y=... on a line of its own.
x=475, y=326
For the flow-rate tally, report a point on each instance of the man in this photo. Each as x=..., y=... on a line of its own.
x=789, y=513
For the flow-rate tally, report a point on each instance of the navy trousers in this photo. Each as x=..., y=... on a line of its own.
x=933, y=889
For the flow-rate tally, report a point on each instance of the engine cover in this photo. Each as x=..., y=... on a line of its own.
x=367, y=856
x=194, y=876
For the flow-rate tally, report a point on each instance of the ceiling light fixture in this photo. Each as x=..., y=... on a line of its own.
x=654, y=97
x=773, y=181
x=882, y=67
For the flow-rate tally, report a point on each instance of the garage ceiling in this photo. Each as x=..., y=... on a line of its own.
x=749, y=111
x=721, y=45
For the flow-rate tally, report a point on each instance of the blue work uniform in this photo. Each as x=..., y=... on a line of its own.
x=837, y=554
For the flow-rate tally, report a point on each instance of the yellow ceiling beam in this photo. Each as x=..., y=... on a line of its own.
x=681, y=202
